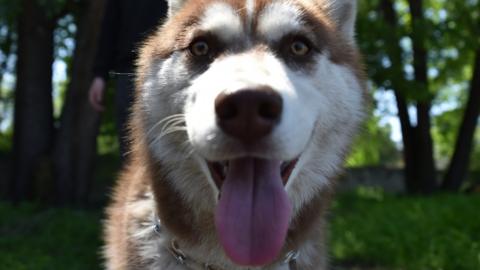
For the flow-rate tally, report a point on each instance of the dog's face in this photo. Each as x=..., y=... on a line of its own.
x=261, y=98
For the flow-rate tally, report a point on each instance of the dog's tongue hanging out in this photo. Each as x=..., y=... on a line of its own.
x=253, y=213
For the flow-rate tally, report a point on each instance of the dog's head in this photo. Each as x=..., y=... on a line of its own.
x=255, y=101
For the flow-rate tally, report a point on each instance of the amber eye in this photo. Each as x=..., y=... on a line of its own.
x=299, y=48
x=199, y=48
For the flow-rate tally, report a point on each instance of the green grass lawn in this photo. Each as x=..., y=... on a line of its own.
x=418, y=233
x=369, y=230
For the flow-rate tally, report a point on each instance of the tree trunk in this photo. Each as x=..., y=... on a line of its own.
x=407, y=139
x=76, y=142
x=408, y=132
x=395, y=53
x=458, y=168
x=33, y=127
x=424, y=163
x=417, y=140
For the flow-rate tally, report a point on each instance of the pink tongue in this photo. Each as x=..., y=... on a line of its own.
x=253, y=213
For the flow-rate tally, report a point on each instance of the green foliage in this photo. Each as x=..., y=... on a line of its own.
x=444, y=132
x=65, y=38
x=379, y=42
x=59, y=94
x=475, y=162
x=373, y=147
x=53, y=8
x=107, y=140
x=450, y=33
x=6, y=138
x=8, y=11
x=409, y=233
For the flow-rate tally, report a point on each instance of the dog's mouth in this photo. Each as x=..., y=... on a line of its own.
x=253, y=213
x=219, y=170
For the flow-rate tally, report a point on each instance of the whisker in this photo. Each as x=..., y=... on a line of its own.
x=187, y=148
x=167, y=132
x=122, y=73
x=171, y=123
x=166, y=119
x=173, y=129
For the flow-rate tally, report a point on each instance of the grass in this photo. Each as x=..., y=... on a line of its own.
x=36, y=238
x=369, y=230
x=438, y=233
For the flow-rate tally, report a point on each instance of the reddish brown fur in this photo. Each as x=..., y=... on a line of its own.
x=176, y=34
x=143, y=173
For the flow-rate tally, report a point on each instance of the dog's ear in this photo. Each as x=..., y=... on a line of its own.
x=174, y=6
x=344, y=12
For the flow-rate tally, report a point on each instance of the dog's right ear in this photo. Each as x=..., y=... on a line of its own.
x=174, y=6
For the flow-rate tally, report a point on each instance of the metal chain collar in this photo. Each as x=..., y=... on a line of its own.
x=290, y=258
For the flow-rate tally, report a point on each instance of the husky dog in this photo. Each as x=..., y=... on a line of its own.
x=244, y=112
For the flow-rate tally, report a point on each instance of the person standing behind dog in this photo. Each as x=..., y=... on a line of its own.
x=125, y=24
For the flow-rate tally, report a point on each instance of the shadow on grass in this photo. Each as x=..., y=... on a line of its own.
x=32, y=237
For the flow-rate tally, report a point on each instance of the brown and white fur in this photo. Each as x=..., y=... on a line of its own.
x=175, y=132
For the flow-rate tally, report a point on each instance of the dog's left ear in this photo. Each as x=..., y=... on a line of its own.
x=344, y=13
x=174, y=6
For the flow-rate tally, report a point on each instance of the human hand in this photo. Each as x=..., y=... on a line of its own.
x=96, y=94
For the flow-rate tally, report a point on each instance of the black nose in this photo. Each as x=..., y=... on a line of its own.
x=249, y=114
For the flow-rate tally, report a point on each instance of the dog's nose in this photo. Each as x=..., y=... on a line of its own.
x=249, y=114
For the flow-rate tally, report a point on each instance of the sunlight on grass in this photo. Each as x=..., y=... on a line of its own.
x=435, y=233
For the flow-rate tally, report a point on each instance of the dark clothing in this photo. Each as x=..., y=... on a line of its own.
x=123, y=100
x=125, y=26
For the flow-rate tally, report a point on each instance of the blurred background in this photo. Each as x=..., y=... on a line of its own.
x=410, y=198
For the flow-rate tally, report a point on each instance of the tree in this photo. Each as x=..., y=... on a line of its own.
x=76, y=143
x=417, y=141
x=33, y=119
x=34, y=131
x=458, y=168
x=424, y=175
x=401, y=59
